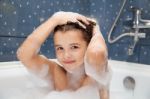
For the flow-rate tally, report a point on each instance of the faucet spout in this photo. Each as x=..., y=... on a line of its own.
x=138, y=21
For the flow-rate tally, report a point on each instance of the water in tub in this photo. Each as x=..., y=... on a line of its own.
x=129, y=81
x=18, y=83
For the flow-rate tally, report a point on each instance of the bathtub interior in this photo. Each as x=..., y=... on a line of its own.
x=16, y=82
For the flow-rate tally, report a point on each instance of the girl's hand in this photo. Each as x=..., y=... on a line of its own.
x=96, y=29
x=64, y=17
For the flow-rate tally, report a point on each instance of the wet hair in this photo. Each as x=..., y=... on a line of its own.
x=86, y=32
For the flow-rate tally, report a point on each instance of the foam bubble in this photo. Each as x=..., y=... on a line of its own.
x=43, y=93
x=75, y=76
x=102, y=78
x=88, y=92
x=40, y=79
x=24, y=93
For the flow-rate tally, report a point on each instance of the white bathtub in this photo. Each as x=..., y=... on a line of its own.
x=15, y=81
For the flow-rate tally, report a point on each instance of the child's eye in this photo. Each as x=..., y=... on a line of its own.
x=74, y=47
x=59, y=48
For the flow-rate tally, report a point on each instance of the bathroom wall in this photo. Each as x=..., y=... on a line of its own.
x=106, y=11
x=19, y=18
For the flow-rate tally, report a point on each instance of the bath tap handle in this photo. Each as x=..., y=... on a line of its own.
x=142, y=35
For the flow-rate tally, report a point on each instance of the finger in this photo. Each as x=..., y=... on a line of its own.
x=83, y=19
x=91, y=21
x=82, y=25
x=77, y=22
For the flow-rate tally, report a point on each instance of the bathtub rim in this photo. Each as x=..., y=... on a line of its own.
x=117, y=66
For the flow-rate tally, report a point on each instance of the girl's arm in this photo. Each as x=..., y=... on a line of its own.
x=28, y=51
x=96, y=54
x=96, y=62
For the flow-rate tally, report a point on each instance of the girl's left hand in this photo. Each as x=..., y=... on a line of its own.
x=64, y=17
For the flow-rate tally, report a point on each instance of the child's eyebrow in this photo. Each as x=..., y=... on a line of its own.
x=75, y=44
x=72, y=44
x=57, y=45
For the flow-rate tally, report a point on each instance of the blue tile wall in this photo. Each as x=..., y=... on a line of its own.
x=18, y=18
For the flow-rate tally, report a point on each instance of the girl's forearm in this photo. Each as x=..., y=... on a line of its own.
x=32, y=44
x=43, y=31
x=97, y=52
x=97, y=43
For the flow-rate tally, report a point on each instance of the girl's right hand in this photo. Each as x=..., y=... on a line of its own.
x=61, y=17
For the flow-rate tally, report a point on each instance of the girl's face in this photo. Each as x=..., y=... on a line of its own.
x=70, y=48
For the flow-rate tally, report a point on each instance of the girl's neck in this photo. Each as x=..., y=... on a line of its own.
x=76, y=77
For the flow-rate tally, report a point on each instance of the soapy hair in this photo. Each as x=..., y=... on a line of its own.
x=86, y=32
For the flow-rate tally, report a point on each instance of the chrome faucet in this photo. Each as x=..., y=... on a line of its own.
x=138, y=22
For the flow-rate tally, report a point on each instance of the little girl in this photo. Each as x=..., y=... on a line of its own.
x=81, y=53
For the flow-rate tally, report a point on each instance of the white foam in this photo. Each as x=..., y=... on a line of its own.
x=102, y=79
x=88, y=92
x=24, y=93
x=75, y=77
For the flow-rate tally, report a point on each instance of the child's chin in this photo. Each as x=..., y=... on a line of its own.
x=70, y=70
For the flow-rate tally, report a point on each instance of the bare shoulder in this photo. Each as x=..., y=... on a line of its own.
x=40, y=64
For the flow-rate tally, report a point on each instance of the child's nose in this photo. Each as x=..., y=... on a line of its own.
x=67, y=55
